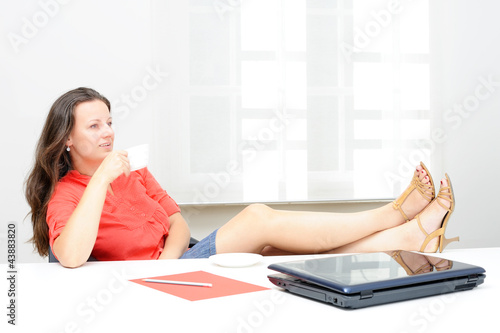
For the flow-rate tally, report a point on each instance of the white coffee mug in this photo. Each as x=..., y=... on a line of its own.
x=138, y=156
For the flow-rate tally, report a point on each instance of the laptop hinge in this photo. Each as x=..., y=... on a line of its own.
x=472, y=278
x=366, y=294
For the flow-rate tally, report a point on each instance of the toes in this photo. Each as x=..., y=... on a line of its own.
x=416, y=173
x=419, y=169
x=444, y=182
x=422, y=174
x=425, y=178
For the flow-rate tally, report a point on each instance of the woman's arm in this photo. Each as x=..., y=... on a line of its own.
x=178, y=237
x=76, y=241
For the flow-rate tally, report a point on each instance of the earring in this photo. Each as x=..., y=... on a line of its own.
x=68, y=149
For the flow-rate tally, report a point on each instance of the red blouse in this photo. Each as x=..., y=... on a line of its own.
x=134, y=221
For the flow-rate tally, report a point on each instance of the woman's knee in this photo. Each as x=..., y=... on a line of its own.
x=246, y=232
x=258, y=212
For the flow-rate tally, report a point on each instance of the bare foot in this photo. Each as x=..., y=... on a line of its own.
x=431, y=219
x=419, y=197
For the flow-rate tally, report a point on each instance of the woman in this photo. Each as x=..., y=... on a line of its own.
x=85, y=201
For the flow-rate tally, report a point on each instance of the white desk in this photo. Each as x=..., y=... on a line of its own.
x=98, y=297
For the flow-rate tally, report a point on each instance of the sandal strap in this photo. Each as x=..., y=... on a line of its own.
x=445, y=194
x=415, y=184
x=429, y=237
x=397, y=206
x=423, y=188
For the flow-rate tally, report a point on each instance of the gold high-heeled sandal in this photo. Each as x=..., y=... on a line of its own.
x=415, y=184
x=445, y=193
x=449, y=265
x=424, y=268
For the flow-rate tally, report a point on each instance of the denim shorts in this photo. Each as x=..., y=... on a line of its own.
x=203, y=249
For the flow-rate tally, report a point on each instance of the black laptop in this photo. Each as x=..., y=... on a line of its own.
x=361, y=280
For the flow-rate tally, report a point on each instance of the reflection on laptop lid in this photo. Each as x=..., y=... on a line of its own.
x=361, y=280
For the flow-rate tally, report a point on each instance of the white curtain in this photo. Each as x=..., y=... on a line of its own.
x=290, y=100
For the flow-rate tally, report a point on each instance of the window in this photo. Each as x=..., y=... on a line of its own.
x=290, y=100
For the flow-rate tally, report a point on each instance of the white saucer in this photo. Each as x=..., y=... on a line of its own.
x=235, y=259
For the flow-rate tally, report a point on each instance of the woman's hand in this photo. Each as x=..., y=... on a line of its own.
x=115, y=164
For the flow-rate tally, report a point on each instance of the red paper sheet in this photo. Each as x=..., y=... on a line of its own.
x=221, y=286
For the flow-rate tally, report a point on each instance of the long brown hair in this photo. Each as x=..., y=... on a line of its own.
x=52, y=161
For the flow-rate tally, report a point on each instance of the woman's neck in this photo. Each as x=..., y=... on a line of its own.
x=85, y=168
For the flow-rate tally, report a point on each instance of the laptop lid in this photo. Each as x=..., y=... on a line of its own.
x=369, y=272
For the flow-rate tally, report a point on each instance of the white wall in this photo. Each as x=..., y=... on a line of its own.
x=106, y=45
x=47, y=48
x=470, y=54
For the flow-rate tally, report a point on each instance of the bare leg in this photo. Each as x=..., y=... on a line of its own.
x=407, y=236
x=259, y=228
